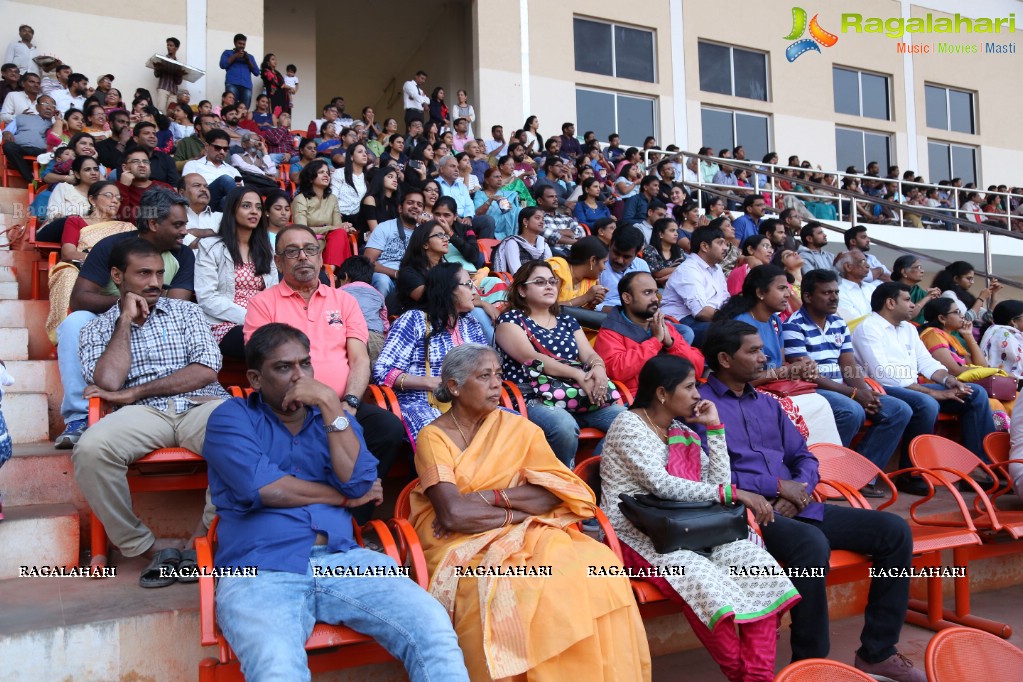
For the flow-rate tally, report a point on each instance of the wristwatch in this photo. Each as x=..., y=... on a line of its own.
x=352, y=401
x=339, y=424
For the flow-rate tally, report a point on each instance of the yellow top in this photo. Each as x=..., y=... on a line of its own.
x=568, y=291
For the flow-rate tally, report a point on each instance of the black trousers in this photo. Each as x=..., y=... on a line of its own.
x=233, y=343
x=16, y=154
x=386, y=439
x=803, y=543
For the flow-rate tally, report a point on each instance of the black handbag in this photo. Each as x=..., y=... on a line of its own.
x=696, y=526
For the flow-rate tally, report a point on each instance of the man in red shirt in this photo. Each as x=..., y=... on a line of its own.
x=133, y=181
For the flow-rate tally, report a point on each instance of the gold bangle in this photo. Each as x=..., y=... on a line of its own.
x=504, y=496
x=484, y=498
x=853, y=396
x=401, y=382
x=507, y=517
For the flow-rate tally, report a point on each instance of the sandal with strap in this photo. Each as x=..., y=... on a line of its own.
x=162, y=569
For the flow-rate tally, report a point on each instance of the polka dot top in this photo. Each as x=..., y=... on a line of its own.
x=560, y=340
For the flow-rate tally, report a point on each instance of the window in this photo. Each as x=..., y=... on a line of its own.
x=946, y=161
x=726, y=129
x=733, y=71
x=614, y=50
x=950, y=109
x=604, y=112
x=861, y=94
x=858, y=148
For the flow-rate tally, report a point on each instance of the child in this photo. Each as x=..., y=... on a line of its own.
x=6, y=446
x=355, y=276
x=291, y=84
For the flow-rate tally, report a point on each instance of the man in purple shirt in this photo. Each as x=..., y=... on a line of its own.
x=769, y=456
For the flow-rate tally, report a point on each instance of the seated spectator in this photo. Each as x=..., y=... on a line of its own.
x=636, y=331
x=153, y=356
x=513, y=182
x=280, y=145
x=604, y=229
x=769, y=457
x=655, y=211
x=386, y=246
x=162, y=222
x=579, y=273
x=526, y=246
x=477, y=160
x=316, y=207
x=534, y=331
x=162, y=167
x=329, y=113
x=853, y=290
x=856, y=238
x=421, y=168
x=636, y=205
x=1002, y=343
x=355, y=277
x=774, y=229
x=221, y=176
x=194, y=146
x=282, y=521
x=65, y=125
x=748, y=224
x=25, y=135
x=888, y=348
x=697, y=288
x=792, y=263
x=537, y=500
x=348, y=183
x=732, y=252
x=465, y=173
x=182, y=123
x=590, y=207
x=949, y=339
x=395, y=152
x=431, y=194
x=663, y=254
x=329, y=140
x=383, y=197
x=134, y=181
x=96, y=122
x=452, y=186
x=278, y=210
x=203, y=221
x=627, y=184
x=956, y=280
x=687, y=215
x=554, y=176
x=650, y=451
x=817, y=333
x=622, y=258
x=497, y=202
x=339, y=336
x=233, y=267
x=427, y=247
x=755, y=250
x=68, y=199
x=10, y=74
x=23, y=101
x=559, y=231
x=813, y=239
x=306, y=154
x=420, y=338
x=254, y=163
x=764, y=296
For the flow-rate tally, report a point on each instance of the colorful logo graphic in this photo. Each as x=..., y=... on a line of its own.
x=818, y=35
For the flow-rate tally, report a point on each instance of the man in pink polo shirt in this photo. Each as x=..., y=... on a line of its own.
x=337, y=333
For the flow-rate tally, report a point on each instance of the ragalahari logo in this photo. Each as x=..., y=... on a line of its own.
x=818, y=35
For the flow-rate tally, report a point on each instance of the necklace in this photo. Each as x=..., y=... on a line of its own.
x=459, y=427
x=657, y=429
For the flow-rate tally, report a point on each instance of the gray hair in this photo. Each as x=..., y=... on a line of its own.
x=156, y=204
x=248, y=136
x=841, y=261
x=459, y=364
x=444, y=160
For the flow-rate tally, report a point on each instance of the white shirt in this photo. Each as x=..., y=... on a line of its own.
x=690, y=177
x=207, y=220
x=247, y=163
x=692, y=287
x=493, y=145
x=17, y=103
x=413, y=96
x=349, y=197
x=208, y=171
x=854, y=299
x=21, y=54
x=65, y=100
x=892, y=356
x=873, y=262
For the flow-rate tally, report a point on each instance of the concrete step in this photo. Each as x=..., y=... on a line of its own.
x=9, y=289
x=7, y=274
x=23, y=265
x=13, y=343
x=34, y=376
x=40, y=474
x=38, y=535
x=12, y=195
x=27, y=417
x=31, y=317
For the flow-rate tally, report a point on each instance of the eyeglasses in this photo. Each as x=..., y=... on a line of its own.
x=540, y=282
x=219, y=148
x=138, y=162
x=468, y=285
x=441, y=236
x=111, y=196
x=291, y=253
x=917, y=267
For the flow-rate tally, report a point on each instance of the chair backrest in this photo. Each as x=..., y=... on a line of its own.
x=589, y=471
x=487, y=247
x=402, y=506
x=820, y=670
x=929, y=451
x=996, y=446
x=512, y=398
x=959, y=653
x=837, y=463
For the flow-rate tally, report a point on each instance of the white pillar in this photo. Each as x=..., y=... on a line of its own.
x=678, y=77
x=914, y=161
x=524, y=53
x=195, y=46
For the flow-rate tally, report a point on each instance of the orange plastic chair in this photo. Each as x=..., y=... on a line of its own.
x=330, y=647
x=162, y=470
x=487, y=247
x=996, y=446
x=958, y=654
x=843, y=472
x=820, y=670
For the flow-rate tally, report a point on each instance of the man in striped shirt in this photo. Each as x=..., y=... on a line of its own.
x=817, y=332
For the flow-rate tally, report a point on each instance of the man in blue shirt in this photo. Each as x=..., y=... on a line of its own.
x=753, y=209
x=239, y=64
x=452, y=186
x=770, y=457
x=285, y=466
x=636, y=206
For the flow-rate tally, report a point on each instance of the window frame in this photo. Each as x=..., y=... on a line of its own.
x=614, y=49
x=862, y=133
x=947, y=146
x=948, y=108
x=615, y=94
x=731, y=69
x=859, y=85
x=733, y=113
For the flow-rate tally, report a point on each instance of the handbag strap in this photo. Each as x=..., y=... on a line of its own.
x=539, y=347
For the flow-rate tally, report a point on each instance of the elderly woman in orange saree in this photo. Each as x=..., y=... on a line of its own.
x=496, y=513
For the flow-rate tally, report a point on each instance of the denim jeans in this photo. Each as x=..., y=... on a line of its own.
x=383, y=284
x=268, y=618
x=241, y=94
x=562, y=427
x=686, y=332
x=484, y=226
x=885, y=433
x=74, y=406
x=219, y=189
x=974, y=413
x=698, y=327
x=808, y=544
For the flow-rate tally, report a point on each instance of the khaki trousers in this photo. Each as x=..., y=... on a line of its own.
x=104, y=452
x=163, y=98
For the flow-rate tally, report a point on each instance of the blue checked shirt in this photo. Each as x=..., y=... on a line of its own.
x=175, y=335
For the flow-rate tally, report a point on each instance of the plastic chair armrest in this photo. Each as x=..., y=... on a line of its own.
x=415, y=556
x=207, y=613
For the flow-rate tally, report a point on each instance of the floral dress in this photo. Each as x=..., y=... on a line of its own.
x=246, y=285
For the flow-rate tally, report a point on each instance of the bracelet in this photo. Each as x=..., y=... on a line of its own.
x=504, y=496
x=401, y=382
x=853, y=396
x=484, y=497
x=507, y=517
x=497, y=499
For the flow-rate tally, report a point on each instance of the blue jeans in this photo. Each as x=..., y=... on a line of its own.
x=883, y=436
x=698, y=327
x=686, y=332
x=241, y=94
x=383, y=284
x=562, y=427
x=484, y=227
x=975, y=418
x=219, y=189
x=74, y=406
x=268, y=618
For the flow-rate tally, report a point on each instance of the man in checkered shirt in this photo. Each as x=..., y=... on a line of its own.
x=155, y=358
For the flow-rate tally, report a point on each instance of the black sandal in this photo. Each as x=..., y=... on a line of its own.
x=162, y=569
x=188, y=569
